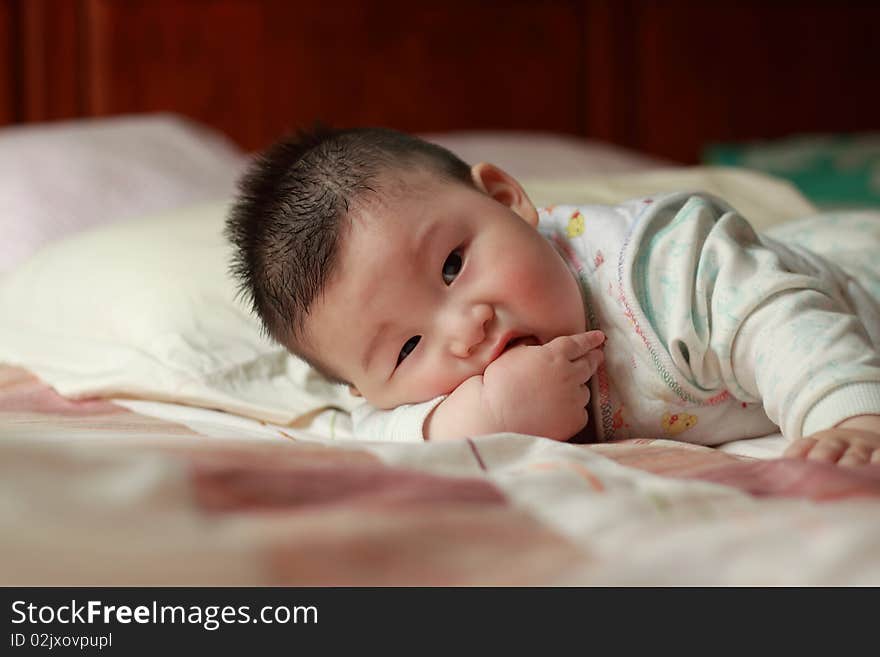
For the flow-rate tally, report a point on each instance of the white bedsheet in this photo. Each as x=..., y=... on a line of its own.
x=336, y=425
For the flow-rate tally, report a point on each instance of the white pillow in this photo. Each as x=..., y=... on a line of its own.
x=545, y=155
x=762, y=199
x=146, y=308
x=59, y=178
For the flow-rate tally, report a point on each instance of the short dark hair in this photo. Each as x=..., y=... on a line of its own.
x=286, y=220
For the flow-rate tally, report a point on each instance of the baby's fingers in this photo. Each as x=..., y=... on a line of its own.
x=799, y=448
x=815, y=449
x=858, y=454
x=586, y=365
x=833, y=447
x=574, y=346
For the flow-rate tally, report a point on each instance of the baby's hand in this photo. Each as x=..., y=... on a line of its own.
x=541, y=389
x=853, y=442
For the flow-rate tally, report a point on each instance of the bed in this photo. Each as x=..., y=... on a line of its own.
x=149, y=433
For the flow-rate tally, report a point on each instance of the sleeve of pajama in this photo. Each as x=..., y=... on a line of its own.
x=767, y=322
x=403, y=424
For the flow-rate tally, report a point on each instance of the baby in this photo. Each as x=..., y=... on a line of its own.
x=442, y=296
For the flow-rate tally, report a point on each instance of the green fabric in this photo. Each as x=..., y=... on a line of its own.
x=832, y=171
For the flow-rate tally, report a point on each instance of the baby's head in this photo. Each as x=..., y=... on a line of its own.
x=389, y=264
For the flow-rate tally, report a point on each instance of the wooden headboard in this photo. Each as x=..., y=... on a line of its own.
x=665, y=77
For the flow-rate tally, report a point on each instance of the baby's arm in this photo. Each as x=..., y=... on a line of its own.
x=763, y=321
x=804, y=347
x=536, y=389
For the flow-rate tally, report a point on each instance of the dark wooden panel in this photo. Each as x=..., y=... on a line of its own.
x=709, y=71
x=608, y=55
x=256, y=69
x=665, y=76
x=7, y=64
x=51, y=59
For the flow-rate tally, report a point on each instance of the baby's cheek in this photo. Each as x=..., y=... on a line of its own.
x=431, y=380
x=443, y=378
x=552, y=295
x=527, y=283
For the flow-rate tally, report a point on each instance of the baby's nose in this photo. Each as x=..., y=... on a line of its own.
x=470, y=330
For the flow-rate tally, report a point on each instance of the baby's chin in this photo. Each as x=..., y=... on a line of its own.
x=388, y=402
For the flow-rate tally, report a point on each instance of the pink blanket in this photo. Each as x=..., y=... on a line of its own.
x=95, y=494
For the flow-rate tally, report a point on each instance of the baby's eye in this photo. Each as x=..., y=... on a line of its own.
x=408, y=346
x=452, y=266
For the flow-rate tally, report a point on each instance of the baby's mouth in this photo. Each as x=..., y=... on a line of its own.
x=511, y=341
x=521, y=341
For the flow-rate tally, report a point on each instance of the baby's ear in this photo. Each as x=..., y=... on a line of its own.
x=354, y=391
x=504, y=188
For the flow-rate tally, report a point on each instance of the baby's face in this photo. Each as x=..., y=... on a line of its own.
x=432, y=286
